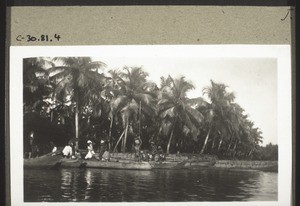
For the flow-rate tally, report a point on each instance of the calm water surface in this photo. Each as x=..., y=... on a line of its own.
x=98, y=185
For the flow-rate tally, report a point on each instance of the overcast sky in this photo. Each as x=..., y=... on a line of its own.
x=254, y=81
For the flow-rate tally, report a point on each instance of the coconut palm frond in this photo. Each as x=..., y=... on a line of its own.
x=170, y=112
x=144, y=98
x=187, y=121
x=118, y=102
x=197, y=102
x=195, y=115
x=95, y=65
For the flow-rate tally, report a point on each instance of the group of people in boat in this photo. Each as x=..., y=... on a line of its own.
x=155, y=154
x=69, y=151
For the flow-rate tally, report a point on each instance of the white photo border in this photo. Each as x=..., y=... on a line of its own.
x=280, y=52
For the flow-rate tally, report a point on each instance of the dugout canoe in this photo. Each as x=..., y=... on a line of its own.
x=197, y=164
x=129, y=165
x=48, y=161
x=45, y=161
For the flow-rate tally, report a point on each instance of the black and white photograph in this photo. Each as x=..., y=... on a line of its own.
x=151, y=123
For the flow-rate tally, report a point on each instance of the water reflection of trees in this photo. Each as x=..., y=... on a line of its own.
x=41, y=185
x=96, y=185
x=233, y=185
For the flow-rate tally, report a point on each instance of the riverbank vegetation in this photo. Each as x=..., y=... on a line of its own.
x=75, y=98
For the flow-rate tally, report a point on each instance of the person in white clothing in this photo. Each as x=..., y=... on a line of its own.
x=91, y=152
x=67, y=151
x=54, y=149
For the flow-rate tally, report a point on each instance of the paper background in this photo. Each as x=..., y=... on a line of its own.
x=122, y=25
x=153, y=25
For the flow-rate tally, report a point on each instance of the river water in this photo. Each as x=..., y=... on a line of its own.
x=102, y=185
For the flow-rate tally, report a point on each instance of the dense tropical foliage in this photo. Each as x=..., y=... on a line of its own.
x=76, y=98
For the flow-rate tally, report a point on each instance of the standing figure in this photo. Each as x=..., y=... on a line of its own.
x=33, y=150
x=153, y=150
x=137, y=147
x=30, y=145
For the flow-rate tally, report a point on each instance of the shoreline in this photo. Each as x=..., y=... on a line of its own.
x=191, y=161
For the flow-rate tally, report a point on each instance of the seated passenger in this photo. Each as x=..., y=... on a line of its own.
x=77, y=154
x=161, y=155
x=91, y=152
x=106, y=156
x=67, y=151
x=54, y=149
x=143, y=156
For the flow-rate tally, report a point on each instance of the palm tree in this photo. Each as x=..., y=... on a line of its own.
x=236, y=125
x=176, y=109
x=77, y=79
x=220, y=101
x=36, y=85
x=132, y=100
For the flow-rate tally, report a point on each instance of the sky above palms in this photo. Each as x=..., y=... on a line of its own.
x=253, y=80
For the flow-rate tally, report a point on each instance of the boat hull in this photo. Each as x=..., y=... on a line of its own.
x=46, y=161
x=118, y=165
x=58, y=161
x=198, y=164
x=66, y=163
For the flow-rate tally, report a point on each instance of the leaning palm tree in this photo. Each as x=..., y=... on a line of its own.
x=176, y=109
x=220, y=101
x=252, y=138
x=131, y=100
x=235, y=124
x=77, y=79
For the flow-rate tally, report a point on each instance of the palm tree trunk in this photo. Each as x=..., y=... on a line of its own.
x=140, y=114
x=125, y=138
x=234, y=152
x=228, y=148
x=119, y=140
x=220, y=143
x=213, y=145
x=110, y=129
x=205, y=142
x=171, y=136
x=76, y=121
x=250, y=152
x=140, y=123
x=235, y=144
x=122, y=143
x=170, y=140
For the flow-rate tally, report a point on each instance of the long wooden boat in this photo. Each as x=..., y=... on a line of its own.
x=76, y=163
x=49, y=161
x=197, y=164
x=46, y=161
x=133, y=165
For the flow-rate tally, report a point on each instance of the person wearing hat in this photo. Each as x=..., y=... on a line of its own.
x=91, y=152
